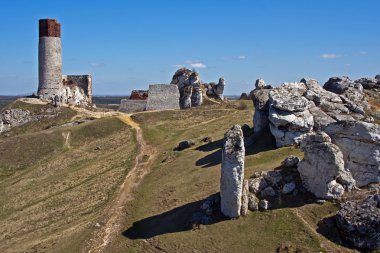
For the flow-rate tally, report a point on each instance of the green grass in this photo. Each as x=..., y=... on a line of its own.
x=63, y=116
x=180, y=181
x=53, y=190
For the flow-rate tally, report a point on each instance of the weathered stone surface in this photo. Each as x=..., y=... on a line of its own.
x=359, y=222
x=288, y=188
x=214, y=90
x=322, y=169
x=264, y=204
x=132, y=105
x=232, y=174
x=268, y=192
x=338, y=85
x=244, y=198
x=259, y=84
x=162, y=97
x=257, y=184
x=253, y=202
x=360, y=145
x=290, y=161
x=368, y=83
x=261, y=104
x=273, y=177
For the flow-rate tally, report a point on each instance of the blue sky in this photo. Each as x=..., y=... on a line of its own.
x=128, y=45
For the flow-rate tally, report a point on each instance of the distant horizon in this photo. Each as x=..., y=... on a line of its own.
x=129, y=45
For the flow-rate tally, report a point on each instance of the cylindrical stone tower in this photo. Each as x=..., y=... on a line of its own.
x=49, y=59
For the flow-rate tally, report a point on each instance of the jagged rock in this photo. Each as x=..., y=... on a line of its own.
x=232, y=175
x=359, y=222
x=360, y=145
x=268, y=192
x=257, y=184
x=244, y=198
x=290, y=161
x=273, y=177
x=259, y=84
x=216, y=90
x=196, y=96
x=253, y=202
x=377, y=77
x=338, y=85
x=264, y=204
x=323, y=161
x=189, y=86
x=184, y=145
x=368, y=83
x=288, y=188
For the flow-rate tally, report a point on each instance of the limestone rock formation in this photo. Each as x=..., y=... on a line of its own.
x=196, y=96
x=181, y=79
x=261, y=103
x=322, y=169
x=369, y=83
x=294, y=109
x=216, y=90
x=360, y=145
x=359, y=222
x=253, y=202
x=232, y=174
x=259, y=84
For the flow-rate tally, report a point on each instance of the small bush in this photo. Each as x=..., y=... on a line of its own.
x=242, y=106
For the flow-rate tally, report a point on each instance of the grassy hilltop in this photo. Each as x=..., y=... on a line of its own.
x=56, y=183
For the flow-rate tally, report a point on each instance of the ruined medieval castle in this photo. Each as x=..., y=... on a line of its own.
x=52, y=85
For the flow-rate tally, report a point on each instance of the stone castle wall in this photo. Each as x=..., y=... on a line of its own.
x=163, y=97
x=132, y=105
x=83, y=82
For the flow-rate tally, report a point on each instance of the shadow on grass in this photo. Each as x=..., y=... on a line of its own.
x=255, y=143
x=175, y=220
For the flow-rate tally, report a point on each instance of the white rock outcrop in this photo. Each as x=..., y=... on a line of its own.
x=232, y=174
x=360, y=145
x=322, y=169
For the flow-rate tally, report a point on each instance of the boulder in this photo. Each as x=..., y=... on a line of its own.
x=184, y=145
x=377, y=77
x=290, y=161
x=256, y=185
x=338, y=85
x=288, y=188
x=360, y=145
x=232, y=174
x=323, y=161
x=268, y=192
x=253, y=202
x=264, y=204
x=358, y=222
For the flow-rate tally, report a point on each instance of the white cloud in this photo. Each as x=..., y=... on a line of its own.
x=198, y=65
x=348, y=65
x=97, y=65
x=330, y=56
x=363, y=52
x=241, y=57
x=178, y=66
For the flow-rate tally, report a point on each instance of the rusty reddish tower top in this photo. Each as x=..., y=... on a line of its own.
x=50, y=28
